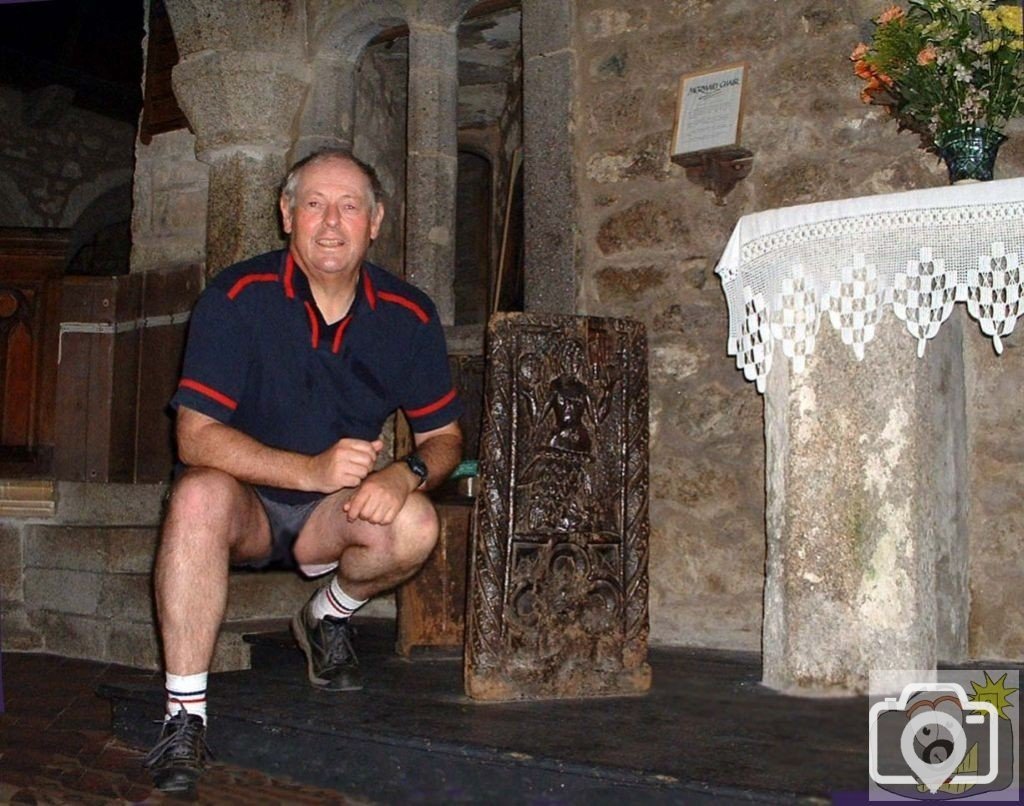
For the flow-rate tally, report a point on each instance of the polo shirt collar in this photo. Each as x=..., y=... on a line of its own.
x=295, y=285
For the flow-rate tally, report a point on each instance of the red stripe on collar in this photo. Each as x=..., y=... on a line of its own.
x=249, y=279
x=340, y=333
x=289, y=271
x=314, y=326
x=371, y=294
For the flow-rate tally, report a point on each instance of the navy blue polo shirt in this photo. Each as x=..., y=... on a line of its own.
x=261, y=358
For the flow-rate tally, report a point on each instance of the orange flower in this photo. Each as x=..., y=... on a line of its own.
x=890, y=14
x=874, y=87
x=926, y=56
x=863, y=70
x=859, y=52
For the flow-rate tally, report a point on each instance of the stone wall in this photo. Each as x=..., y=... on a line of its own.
x=169, y=206
x=56, y=159
x=651, y=239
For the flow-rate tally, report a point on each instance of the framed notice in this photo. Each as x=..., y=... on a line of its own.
x=710, y=109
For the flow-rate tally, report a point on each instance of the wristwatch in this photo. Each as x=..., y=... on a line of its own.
x=417, y=466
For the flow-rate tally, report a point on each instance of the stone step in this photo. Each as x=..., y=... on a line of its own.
x=92, y=570
x=88, y=591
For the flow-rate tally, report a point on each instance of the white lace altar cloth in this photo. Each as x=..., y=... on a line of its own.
x=912, y=255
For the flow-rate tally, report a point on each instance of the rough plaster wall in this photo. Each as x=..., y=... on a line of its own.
x=380, y=140
x=55, y=159
x=169, y=209
x=649, y=243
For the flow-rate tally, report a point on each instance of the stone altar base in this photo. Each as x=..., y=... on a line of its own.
x=558, y=586
x=866, y=512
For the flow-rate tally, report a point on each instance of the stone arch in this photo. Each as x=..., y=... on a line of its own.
x=86, y=194
x=340, y=39
x=431, y=149
x=474, y=207
x=100, y=241
x=349, y=29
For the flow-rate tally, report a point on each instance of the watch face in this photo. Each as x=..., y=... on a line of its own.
x=417, y=466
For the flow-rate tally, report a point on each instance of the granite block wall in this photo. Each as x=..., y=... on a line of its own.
x=649, y=244
x=169, y=204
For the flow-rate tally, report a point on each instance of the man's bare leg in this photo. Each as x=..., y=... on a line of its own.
x=371, y=559
x=212, y=520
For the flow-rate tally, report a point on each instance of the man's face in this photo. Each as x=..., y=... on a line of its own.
x=332, y=223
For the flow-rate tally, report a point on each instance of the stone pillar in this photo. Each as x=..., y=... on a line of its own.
x=866, y=522
x=242, y=103
x=328, y=113
x=242, y=218
x=549, y=86
x=432, y=167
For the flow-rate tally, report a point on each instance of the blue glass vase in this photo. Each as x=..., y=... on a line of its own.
x=969, y=152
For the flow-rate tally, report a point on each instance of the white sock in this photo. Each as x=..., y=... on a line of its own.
x=331, y=600
x=186, y=691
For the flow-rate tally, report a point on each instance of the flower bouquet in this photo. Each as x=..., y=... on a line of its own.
x=950, y=70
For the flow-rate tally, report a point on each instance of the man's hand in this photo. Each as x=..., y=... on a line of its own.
x=345, y=464
x=382, y=495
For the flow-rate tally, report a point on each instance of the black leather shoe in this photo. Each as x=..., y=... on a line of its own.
x=330, y=658
x=179, y=756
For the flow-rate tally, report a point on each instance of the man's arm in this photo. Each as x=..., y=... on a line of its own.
x=382, y=494
x=206, y=442
x=441, y=451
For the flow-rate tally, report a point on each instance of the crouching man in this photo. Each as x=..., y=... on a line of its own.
x=294, y=361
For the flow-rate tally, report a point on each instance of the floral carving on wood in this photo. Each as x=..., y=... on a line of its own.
x=558, y=584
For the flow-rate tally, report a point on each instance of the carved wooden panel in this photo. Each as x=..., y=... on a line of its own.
x=31, y=264
x=558, y=582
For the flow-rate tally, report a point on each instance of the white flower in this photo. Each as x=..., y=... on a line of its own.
x=967, y=5
x=973, y=44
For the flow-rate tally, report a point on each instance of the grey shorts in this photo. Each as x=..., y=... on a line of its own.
x=286, y=522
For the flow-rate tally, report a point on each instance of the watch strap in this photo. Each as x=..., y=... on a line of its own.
x=418, y=467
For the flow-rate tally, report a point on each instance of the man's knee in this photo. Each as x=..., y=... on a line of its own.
x=416, y=530
x=202, y=492
x=205, y=505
